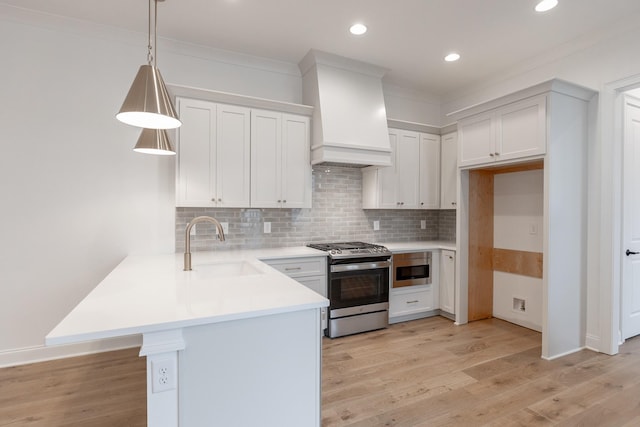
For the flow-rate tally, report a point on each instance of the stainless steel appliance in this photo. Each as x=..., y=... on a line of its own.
x=358, y=277
x=411, y=269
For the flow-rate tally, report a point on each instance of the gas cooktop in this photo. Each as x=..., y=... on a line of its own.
x=352, y=249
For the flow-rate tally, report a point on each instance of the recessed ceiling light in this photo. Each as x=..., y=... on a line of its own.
x=545, y=5
x=358, y=29
x=452, y=57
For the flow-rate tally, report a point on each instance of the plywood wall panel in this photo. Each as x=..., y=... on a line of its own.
x=480, y=245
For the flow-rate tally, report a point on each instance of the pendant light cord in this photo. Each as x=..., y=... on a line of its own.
x=151, y=43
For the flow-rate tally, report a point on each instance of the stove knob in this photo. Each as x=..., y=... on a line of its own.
x=332, y=251
x=339, y=251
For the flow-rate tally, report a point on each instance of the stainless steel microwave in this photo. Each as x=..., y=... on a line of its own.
x=412, y=269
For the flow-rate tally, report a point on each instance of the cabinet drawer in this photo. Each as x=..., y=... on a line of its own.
x=300, y=266
x=410, y=302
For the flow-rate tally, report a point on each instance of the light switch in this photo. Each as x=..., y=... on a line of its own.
x=225, y=227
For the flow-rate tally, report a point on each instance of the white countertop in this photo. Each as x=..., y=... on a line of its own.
x=152, y=293
x=428, y=245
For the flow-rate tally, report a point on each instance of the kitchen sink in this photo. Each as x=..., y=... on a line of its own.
x=225, y=269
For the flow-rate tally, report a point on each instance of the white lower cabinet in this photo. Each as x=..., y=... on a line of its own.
x=447, y=281
x=309, y=271
x=404, y=302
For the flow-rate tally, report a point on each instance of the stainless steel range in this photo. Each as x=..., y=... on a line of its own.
x=358, y=277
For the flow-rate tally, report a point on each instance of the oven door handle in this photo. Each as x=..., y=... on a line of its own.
x=360, y=266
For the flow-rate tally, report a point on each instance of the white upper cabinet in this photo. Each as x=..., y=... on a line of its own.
x=386, y=177
x=510, y=132
x=429, y=171
x=237, y=157
x=407, y=179
x=280, y=166
x=296, y=184
x=233, y=160
x=213, y=155
x=448, y=171
x=413, y=179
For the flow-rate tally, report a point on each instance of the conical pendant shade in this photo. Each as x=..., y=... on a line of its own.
x=148, y=104
x=154, y=141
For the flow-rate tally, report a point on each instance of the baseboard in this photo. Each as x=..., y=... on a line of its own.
x=43, y=353
x=592, y=342
x=520, y=322
x=566, y=353
x=415, y=316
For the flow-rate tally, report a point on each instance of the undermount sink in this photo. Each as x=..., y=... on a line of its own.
x=225, y=269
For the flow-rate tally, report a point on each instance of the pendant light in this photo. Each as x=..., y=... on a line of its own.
x=148, y=104
x=154, y=141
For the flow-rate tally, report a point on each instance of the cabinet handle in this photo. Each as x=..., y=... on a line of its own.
x=421, y=203
x=450, y=257
x=213, y=200
x=401, y=203
x=491, y=154
x=279, y=201
x=284, y=201
x=453, y=203
x=496, y=153
x=292, y=268
x=412, y=302
x=628, y=252
x=219, y=200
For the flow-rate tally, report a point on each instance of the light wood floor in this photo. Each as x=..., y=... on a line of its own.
x=422, y=373
x=487, y=373
x=101, y=390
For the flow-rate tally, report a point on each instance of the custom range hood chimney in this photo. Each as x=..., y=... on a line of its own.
x=349, y=119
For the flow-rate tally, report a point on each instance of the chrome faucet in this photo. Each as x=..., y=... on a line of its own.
x=187, y=237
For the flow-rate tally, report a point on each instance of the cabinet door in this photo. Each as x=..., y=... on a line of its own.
x=266, y=159
x=447, y=281
x=408, y=170
x=195, y=175
x=476, y=138
x=296, y=164
x=521, y=129
x=370, y=199
x=387, y=176
x=429, y=171
x=448, y=171
x=233, y=156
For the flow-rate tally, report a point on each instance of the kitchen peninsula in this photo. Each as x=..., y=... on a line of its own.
x=233, y=333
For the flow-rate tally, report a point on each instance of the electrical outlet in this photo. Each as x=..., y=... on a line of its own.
x=267, y=227
x=225, y=228
x=376, y=225
x=163, y=375
x=423, y=224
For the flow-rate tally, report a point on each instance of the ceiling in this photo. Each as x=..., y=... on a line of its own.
x=408, y=37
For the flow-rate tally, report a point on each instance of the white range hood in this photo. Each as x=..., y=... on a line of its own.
x=349, y=119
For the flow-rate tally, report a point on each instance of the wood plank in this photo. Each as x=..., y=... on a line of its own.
x=480, y=282
x=518, y=262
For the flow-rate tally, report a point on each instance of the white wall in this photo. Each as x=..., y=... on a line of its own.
x=518, y=220
x=76, y=198
x=411, y=106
